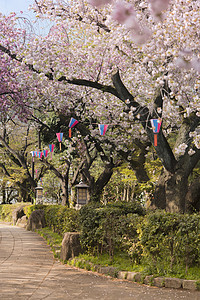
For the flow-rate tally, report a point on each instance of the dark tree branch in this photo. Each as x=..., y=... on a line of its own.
x=53, y=169
x=5, y=171
x=77, y=172
x=19, y=160
x=163, y=149
x=92, y=84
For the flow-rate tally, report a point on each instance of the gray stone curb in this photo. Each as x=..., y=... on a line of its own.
x=173, y=283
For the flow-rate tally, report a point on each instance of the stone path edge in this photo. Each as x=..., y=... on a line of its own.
x=162, y=282
x=176, y=283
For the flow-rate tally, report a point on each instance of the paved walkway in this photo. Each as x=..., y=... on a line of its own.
x=29, y=271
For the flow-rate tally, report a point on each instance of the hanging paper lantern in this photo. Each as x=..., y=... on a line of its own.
x=51, y=148
x=60, y=137
x=156, y=124
x=102, y=129
x=72, y=123
x=45, y=153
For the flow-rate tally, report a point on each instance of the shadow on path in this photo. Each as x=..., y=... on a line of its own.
x=28, y=270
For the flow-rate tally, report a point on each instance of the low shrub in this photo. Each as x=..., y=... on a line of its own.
x=59, y=218
x=6, y=210
x=105, y=229
x=170, y=241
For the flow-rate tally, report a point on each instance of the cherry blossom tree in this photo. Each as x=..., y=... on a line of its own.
x=148, y=47
x=128, y=62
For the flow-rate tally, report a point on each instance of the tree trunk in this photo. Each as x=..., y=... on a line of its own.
x=63, y=179
x=64, y=195
x=193, y=196
x=97, y=187
x=124, y=194
x=3, y=188
x=128, y=194
x=170, y=193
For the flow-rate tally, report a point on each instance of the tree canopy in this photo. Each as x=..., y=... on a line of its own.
x=121, y=64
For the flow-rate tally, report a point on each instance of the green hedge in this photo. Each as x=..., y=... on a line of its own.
x=6, y=210
x=107, y=228
x=59, y=218
x=170, y=241
x=164, y=242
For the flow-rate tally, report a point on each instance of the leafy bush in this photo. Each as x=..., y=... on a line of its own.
x=188, y=237
x=59, y=218
x=6, y=210
x=170, y=240
x=29, y=209
x=107, y=228
x=165, y=243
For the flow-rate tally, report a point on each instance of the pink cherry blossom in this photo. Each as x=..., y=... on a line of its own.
x=195, y=64
x=158, y=6
x=123, y=13
x=99, y=3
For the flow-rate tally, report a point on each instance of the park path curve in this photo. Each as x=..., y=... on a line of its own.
x=28, y=270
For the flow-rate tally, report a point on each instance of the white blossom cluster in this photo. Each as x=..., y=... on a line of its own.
x=147, y=41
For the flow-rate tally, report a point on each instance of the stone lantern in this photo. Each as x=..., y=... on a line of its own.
x=82, y=194
x=39, y=194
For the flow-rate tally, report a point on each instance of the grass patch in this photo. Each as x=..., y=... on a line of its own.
x=51, y=237
x=121, y=261
x=54, y=240
x=193, y=273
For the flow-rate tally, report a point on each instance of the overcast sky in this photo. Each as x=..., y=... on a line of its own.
x=7, y=6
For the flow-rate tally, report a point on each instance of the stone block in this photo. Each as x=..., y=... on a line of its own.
x=138, y=277
x=134, y=276
x=71, y=246
x=122, y=275
x=36, y=220
x=159, y=281
x=109, y=271
x=22, y=222
x=131, y=276
x=148, y=280
x=174, y=283
x=97, y=268
x=189, y=285
x=17, y=214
